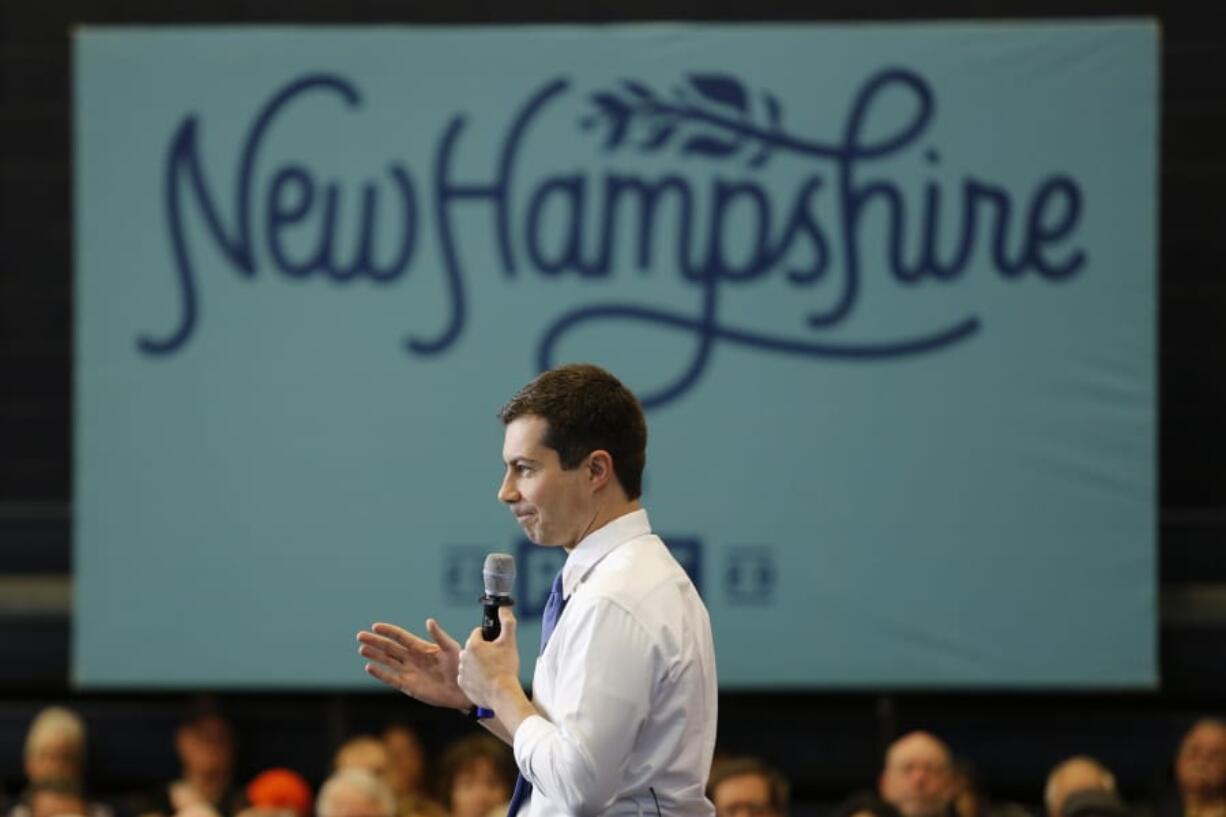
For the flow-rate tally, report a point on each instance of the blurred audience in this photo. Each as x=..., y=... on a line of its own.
x=355, y=792
x=55, y=746
x=278, y=793
x=388, y=776
x=199, y=810
x=363, y=752
x=56, y=797
x=477, y=775
x=917, y=776
x=406, y=769
x=1076, y=774
x=54, y=765
x=205, y=746
x=1093, y=803
x=970, y=799
x=1200, y=772
x=747, y=787
x=864, y=804
x=967, y=796
x=406, y=773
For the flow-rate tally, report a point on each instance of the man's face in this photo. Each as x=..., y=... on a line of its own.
x=555, y=507
x=916, y=779
x=745, y=795
x=1200, y=766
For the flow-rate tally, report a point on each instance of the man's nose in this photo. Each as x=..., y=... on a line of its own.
x=506, y=492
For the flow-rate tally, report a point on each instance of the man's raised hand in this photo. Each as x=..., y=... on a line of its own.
x=418, y=668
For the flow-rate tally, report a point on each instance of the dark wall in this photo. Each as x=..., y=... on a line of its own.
x=829, y=743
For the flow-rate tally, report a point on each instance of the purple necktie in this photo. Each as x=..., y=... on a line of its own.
x=549, y=619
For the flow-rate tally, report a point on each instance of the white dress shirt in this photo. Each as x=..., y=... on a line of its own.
x=626, y=686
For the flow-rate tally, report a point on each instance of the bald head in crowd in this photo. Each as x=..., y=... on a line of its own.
x=1076, y=774
x=355, y=793
x=917, y=778
x=1200, y=765
x=363, y=752
x=55, y=746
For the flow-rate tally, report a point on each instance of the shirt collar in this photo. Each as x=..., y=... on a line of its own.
x=599, y=544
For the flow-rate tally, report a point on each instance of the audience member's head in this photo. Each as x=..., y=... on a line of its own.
x=476, y=775
x=55, y=746
x=1200, y=765
x=355, y=792
x=967, y=796
x=864, y=804
x=406, y=769
x=280, y=791
x=363, y=752
x=197, y=809
x=1079, y=773
x=205, y=745
x=1093, y=803
x=917, y=775
x=747, y=787
x=56, y=797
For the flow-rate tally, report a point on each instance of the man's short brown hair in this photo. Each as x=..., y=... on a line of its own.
x=587, y=409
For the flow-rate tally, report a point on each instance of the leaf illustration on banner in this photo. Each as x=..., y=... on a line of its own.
x=638, y=89
x=618, y=114
x=710, y=146
x=657, y=139
x=774, y=112
x=711, y=116
x=722, y=88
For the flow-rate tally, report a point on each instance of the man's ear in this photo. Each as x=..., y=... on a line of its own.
x=600, y=468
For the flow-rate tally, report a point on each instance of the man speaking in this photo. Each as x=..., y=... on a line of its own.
x=622, y=720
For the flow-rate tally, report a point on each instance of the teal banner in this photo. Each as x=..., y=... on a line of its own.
x=886, y=291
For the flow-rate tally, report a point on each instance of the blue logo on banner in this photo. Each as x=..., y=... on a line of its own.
x=536, y=566
x=750, y=574
x=688, y=553
x=932, y=238
x=462, y=566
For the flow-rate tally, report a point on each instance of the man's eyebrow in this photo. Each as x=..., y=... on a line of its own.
x=520, y=460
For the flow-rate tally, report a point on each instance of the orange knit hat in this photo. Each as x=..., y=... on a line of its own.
x=281, y=789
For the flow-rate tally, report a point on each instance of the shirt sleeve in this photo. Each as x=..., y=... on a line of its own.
x=608, y=670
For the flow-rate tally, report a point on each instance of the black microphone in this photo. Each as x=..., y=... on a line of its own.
x=498, y=573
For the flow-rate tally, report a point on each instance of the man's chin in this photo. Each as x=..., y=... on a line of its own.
x=532, y=534
x=541, y=540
